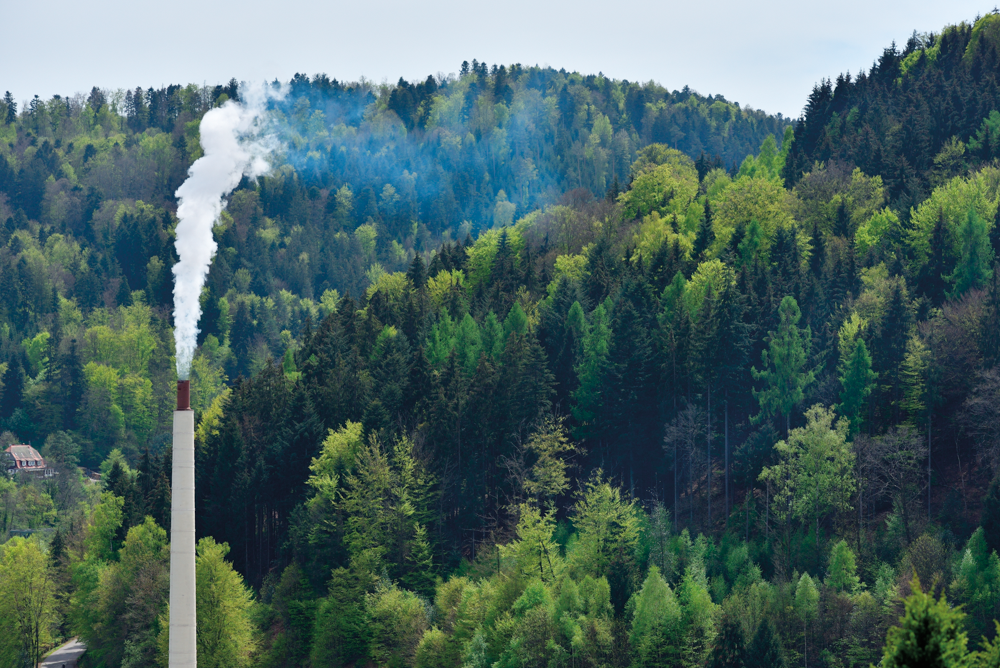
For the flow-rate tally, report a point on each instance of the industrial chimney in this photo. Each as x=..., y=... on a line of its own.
x=183, y=648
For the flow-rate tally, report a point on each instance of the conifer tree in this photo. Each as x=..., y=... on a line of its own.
x=856, y=378
x=591, y=372
x=417, y=272
x=974, y=268
x=706, y=234
x=929, y=634
x=765, y=648
x=938, y=264
x=785, y=373
x=11, y=106
x=656, y=637
x=730, y=649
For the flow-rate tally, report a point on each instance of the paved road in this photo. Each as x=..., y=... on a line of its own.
x=66, y=656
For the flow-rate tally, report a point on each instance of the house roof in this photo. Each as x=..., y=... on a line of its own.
x=23, y=452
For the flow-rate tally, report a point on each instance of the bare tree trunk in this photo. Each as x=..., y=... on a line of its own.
x=747, y=502
x=708, y=449
x=929, y=419
x=676, y=507
x=726, y=432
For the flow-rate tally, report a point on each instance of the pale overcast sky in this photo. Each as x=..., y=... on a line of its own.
x=765, y=54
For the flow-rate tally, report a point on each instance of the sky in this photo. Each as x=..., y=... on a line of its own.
x=765, y=54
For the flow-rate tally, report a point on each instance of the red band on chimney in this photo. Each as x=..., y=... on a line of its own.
x=184, y=395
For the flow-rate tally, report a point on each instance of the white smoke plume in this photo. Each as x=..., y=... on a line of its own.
x=235, y=143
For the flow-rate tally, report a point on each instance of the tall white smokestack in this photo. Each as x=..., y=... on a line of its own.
x=183, y=648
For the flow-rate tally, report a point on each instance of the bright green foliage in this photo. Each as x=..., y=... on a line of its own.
x=815, y=474
x=27, y=602
x=484, y=251
x=806, y=599
x=36, y=350
x=952, y=202
x=104, y=523
x=397, y=620
x=769, y=162
x=337, y=458
x=784, y=363
x=24, y=506
x=133, y=591
x=882, y=227
x=856, y=379
x=341, y=633
x=592, y=369
x=698, y=615
x=916, y=376
x=432, y=652
x=535, y=552
x=547, y=478
x=667, y=189
x=989, y=656
x=657, y=626
x=468, y=344
x=608, y=527
x=986, y=141
x=929, y=634
x=975, y=264
x=842, y=573
x=977, y=584
x=226, y=635
x=758, y=198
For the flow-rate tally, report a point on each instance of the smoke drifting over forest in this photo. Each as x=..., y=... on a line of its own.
x=235, y=146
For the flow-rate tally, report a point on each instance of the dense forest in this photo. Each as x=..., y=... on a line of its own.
x=519, y=367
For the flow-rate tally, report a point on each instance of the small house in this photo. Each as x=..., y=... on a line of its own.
x=23, y=459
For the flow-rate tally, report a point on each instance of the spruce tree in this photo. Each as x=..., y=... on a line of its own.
x=417, y=273
x=765, y=648
x=730, y=649
x=590, y=373
x=929, y=634
x=705, y=235
x=11, y=105
x=974, y=268
x=856, y=378
x=938, y=265
x=656, y=624
x=785, y=373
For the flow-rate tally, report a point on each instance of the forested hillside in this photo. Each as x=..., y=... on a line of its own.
x=522, y=368
x=367, y=178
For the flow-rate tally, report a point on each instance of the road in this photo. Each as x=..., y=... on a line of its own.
x=65, y=656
